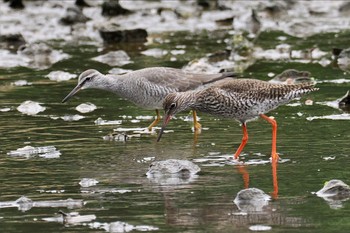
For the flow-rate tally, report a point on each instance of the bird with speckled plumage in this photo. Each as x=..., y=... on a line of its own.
x=147, y=87
x=240, y=99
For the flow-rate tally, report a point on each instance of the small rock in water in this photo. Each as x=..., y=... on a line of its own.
x=73, y=15
x=114, y=58
x=251, y=200
x=117, y=137
x=24, y=203
x=71, y=218
x=86, y=107
x=309, y=102
x=29, y=151
x=113, y=8
x=173, y=166
x=30, y=107
x=172, y=172
x=11, y=41
x=60, y=76
x=344, y=102
x=334, y=192
x=334, y=188
x=292, y=76
x=156, y=52
x=100, y=121
x=88, y=182
x=112, y=34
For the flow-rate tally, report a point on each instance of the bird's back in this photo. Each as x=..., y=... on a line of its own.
x=245, y=99
x=175, y=78
x=148, y=87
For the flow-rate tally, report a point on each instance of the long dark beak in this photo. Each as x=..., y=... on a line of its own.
x=73, y=92
x=166, y=120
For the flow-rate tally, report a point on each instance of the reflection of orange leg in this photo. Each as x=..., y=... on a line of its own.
x=274, y=178
x=244, y=141
x=197, y=127
x=245, y=175
x=274, y=154
x=155, y=122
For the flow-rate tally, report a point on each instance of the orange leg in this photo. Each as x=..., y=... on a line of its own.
x=274, y=154
x=244, y=141
x=274, y=178
x=155, y=122
x=196, y=125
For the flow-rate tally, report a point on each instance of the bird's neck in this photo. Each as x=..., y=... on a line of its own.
x=111, y=83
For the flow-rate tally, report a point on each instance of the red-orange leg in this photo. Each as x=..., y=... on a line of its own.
x=244, y=141
x=274, y=163
x=274, y=154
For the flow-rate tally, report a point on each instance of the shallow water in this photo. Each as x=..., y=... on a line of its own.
x=116, y=193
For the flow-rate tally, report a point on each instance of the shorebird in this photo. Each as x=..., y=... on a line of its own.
x=240, y=99
x=292, y=76
x=147, y=87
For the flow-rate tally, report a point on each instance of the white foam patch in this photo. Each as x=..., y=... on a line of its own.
x=60, y=76
x=337, y=81
x=260, y=228
x=344, y=116
x=47, y=152
x=30, y=107
x=88, y=182
x=100, y=121
x=86, y=107
x=21, y=83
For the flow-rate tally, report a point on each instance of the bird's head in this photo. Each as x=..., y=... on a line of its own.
x=172, y=104
x=87, y=79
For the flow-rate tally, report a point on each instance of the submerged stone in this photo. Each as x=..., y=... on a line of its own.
x=335, y=192
x=335, y=189
x=292, y=76
x=113, y=8
x=173, y=166
x=251, y=199
x=12, y=41
x=114, y=58
x=73, y=15
x=117, y=35
x=344, y=102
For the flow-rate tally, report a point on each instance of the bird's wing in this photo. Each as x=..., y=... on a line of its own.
x=177, y=79
x=254, y=87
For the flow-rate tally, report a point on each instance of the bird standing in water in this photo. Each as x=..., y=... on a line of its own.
x=240, y=99
x=147, y=87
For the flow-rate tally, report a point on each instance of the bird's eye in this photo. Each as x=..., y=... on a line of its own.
x=172, y=106
x=88, y=78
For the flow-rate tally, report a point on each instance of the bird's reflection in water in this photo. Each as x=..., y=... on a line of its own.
x=184, y=206
x=242, y=169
